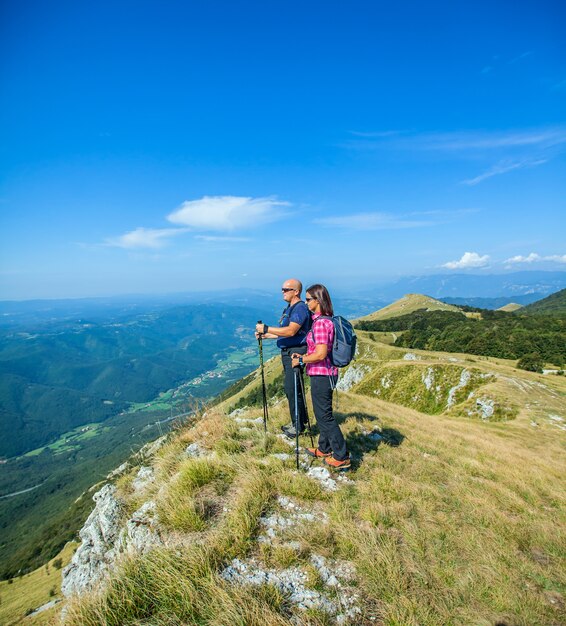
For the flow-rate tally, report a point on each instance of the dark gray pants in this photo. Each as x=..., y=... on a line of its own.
x=290, y=384
x=331, y=438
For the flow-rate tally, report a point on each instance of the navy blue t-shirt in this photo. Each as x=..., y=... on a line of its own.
x=298, y=313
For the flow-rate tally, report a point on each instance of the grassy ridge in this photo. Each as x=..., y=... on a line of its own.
x=455, y=522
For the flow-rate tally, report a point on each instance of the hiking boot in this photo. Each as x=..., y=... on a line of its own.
x=318, y=454
x=291, y=432
x=338, y=465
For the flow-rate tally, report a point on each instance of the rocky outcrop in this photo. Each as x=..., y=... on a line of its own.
x=98, y=548
x=142, y=531
x=108, y=533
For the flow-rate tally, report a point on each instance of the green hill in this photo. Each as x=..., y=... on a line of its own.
x=438, y=523
x=511, y=307
x=553, y=305
x=407, y=304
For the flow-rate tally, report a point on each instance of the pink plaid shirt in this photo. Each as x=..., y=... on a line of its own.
x=323, y=331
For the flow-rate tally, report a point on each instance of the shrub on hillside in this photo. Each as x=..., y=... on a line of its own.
x=531, y=362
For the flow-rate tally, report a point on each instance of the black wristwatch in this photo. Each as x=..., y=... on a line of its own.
x=265, y=329
x=301, y=360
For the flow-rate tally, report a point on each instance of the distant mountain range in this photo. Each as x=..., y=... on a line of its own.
x=533, y=285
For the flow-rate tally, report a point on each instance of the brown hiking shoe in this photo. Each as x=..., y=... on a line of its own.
x=318, y=454
x=338, y=465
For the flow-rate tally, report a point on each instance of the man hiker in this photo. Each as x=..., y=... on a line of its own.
x=291, y=335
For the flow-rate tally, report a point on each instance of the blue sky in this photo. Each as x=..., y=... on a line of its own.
x=160, y=147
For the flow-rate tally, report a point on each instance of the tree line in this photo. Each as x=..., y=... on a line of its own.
x=496, y=333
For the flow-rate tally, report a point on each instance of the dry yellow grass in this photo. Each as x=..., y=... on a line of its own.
x=32, y=591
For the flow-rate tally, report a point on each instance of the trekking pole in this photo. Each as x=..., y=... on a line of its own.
x=265, y=412
x=306, y=409
x=297, y=428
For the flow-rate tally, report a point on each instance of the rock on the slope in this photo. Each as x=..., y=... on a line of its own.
x=292, y=583
x=142, y=530
x=105, y=536
x=97, y=550
x=323, y=476
x=144, y=477
x=44, y=607
x=352, y=376
x=465, y=378
x=152, y=447
x=194, y=450
x=118, y=471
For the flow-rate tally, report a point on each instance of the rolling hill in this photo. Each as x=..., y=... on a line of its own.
x=553, y=305
x=408, y=304
x=511, y=307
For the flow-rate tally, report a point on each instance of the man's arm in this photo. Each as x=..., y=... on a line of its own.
x=274, y=332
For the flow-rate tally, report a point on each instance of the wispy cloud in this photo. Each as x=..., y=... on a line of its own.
x=144, y=238
x=378, y=134
x=370, y=221
x=502, y=151
x=522, y=56
x=463, y=141
x=221, y=238
x=502, y=168
x=227, y=212
x=467, y=261
x=534, y=257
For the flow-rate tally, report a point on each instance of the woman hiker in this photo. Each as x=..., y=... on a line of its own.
x=323, y=375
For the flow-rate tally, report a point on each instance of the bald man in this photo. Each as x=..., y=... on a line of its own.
x=291, y=335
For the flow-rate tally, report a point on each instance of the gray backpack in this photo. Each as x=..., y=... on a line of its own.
x=344, y=344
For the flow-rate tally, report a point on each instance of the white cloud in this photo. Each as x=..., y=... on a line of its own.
x=370, y=221
x=227, y=212
x=533, y=257
x=468, y=260
x=220, y=238
x=502, y=168
x=557, y=258
x=144, y=238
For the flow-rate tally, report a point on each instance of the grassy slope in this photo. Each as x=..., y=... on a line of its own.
x=511, y=307
x=32, y=591
x=462, y=523
x=554, y=305
x=407, y=304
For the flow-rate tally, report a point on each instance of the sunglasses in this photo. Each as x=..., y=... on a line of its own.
x=309, y=299
x=286, y=289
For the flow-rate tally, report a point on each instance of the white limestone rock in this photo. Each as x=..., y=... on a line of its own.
x=144, y=478
x=118, y=471
x=195, y=450
x=152, y=447
x=142, y=530
x=97, y=551
x=465, y=378
x=352, y=376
